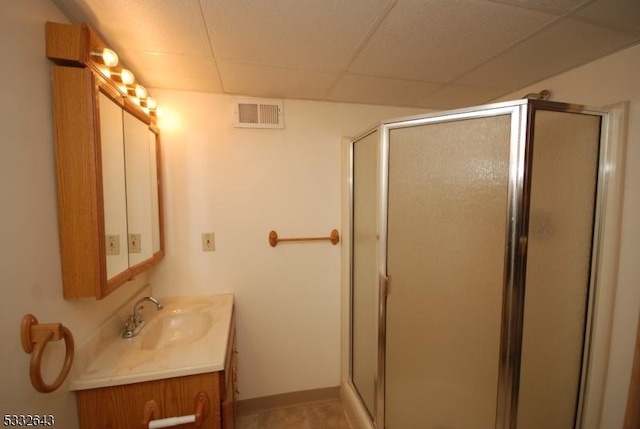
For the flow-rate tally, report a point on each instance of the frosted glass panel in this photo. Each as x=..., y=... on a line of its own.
x=365, y=268
x=564, y=174
x=447, y=210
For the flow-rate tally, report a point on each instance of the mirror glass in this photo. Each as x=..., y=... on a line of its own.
x=155, y=200
x=113, y=185
x=138, y=193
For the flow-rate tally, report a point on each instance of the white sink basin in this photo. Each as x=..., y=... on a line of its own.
x=176, y=328
x=188, y=336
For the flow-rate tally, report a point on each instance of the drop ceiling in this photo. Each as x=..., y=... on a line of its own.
x=433, y=54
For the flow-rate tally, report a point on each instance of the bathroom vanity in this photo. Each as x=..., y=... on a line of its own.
x=186, y=349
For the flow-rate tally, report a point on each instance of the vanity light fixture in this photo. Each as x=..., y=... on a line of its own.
x=137, y=93
x=78, y=45
x=125, y=80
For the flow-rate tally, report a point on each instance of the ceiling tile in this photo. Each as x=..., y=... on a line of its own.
x=174, y=71
x=565, y=45
x=553, y=6
x=312, y=35
x=375, y=90
x=400, y=52
x=623, y=15
x=456, y=96
x=262, y=81
x=171, y=26
x=438, y=40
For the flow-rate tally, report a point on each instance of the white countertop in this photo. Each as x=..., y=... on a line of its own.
x=123, y=361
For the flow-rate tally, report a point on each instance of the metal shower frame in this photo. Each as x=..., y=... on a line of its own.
x=522, y=114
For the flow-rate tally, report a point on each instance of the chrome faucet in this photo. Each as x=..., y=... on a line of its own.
x=134, y=323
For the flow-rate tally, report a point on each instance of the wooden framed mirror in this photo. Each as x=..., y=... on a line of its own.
x=108, y=163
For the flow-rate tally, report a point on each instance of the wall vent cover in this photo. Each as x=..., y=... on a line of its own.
x=258, y=113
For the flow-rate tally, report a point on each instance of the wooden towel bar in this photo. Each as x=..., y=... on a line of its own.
x=334, y=238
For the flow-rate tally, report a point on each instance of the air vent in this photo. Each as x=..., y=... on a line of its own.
x=258, y=113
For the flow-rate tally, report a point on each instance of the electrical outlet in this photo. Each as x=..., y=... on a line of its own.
x=113, y=244
x=135, y=244
x=208, y=242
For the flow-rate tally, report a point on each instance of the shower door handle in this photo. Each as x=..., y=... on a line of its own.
x=385, y=286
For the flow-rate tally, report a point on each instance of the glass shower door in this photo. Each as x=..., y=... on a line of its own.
x=364, y=310
x=448, y=191
x=564, y=175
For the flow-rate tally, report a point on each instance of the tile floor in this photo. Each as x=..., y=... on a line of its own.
x=317, y=415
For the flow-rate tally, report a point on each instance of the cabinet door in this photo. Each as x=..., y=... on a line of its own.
x=229, y=405
x=122, y=407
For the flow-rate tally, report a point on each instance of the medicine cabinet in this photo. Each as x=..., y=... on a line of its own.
x=108, y=170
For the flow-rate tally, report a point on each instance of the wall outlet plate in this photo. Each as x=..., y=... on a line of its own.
x=135, y=243
x=208, y=242
x=113, y=244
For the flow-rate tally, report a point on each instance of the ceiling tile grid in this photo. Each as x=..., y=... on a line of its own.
x=622, y=15
x=309, y=35
x=438, y=40
x=189, y=73
x=274, y=82
x=566, y=44
x=161, y=26
x=434, y=54
x=375, y=90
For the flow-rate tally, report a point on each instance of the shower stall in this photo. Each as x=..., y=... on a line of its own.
x=475, y=256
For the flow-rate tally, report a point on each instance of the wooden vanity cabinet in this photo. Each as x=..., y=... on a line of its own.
x=118, y=407
x=230, y=379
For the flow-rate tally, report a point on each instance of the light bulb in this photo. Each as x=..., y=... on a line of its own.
x=124, y=76
x=141, y=92
x=151, y=103
x=109, y=57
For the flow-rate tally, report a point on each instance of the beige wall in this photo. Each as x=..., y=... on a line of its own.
x=241, y=184
x=608, y=81
x=29, y=256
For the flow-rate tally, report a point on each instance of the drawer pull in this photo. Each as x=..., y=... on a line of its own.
x=200, y=404
x=172, y=421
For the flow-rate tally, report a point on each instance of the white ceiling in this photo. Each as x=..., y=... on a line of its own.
x=434, y=54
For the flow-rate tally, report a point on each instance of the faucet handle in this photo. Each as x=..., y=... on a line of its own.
x=129, y=327
x=130, y=322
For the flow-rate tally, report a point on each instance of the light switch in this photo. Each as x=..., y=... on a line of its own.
x=208, y=242
x=113, y=244
x=135, y=245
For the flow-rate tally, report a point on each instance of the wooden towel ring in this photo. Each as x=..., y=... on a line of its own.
x=34, y=337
